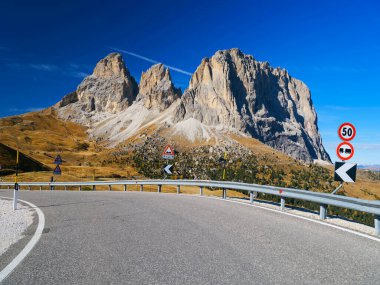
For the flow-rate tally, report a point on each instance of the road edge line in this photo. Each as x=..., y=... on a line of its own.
x=28, y=248
x=298, y=216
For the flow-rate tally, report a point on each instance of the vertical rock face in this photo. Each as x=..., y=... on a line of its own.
x=156, y=88
x=230, y=91
x=110, y=88
x=234, y=91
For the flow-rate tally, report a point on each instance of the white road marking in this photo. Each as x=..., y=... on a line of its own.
x=298, y=216
x=28, y=248
x=281, y=212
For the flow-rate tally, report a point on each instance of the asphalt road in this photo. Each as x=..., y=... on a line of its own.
x=151, y=238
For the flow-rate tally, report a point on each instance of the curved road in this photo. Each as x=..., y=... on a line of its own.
x=150, y=238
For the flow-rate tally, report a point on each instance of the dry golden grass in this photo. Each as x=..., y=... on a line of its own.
x=42, y=136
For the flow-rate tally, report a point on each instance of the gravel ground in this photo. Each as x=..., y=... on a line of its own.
x=13, y=223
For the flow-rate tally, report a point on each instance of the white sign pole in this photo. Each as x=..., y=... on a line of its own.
x=15, y=197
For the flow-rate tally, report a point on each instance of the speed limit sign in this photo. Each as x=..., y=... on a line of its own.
x=347, y=132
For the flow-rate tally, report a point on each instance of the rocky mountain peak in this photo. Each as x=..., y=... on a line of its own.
x=110, y=66
x=233, y=91
x=228, y=92
x=110, y=88
x=156, y=88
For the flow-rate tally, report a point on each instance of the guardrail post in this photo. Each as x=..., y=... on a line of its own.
x=377, y=225
x=9, y=187
x=159, y=188
x=201, y=191
x=224, y=193
x=178, y=189
x=40, y=188
x=93, y=187
x=65, y=188
x=322, y=211
x=109, y=187
x=80, y=188
x=282, y=203
x=141, y=188
x=30, y=188
x=125, y=187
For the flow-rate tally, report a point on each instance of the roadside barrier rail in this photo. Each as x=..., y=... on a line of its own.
x=324, y=199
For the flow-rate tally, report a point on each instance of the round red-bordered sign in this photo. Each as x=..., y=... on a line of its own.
x=345, y=151
x=347, y=132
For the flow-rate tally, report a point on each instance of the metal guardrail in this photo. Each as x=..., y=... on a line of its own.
x=323, y=199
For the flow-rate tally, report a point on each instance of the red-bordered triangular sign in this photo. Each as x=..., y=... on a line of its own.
x=168, y=150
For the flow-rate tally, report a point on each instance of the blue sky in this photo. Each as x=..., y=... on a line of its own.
x=47, y=47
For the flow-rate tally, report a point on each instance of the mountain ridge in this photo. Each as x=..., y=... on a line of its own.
x=229, y=92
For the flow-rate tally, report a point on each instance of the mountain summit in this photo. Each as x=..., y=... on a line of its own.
x=233, y=90
x=229, y=93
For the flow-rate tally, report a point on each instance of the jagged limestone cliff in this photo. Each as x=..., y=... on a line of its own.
x=229, y=92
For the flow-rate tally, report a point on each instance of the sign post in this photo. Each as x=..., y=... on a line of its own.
x=168, y=154
x=57, y=170
x=344, y=171
x=15, y=191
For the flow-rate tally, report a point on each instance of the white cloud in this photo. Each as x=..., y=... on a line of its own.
x=153, y=61
x=72, y=70
x=24, y=110
x=44, y=67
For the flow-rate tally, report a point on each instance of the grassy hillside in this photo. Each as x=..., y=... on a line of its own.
x=8, y=162
x=41, y=136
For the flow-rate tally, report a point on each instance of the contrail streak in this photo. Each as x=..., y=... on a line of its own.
x=152, y=61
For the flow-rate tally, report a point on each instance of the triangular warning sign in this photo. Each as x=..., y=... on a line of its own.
x=57, y=170
x=168, y=150
x=58, y=160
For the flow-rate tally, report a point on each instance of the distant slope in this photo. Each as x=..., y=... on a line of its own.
x=41, y=136
x=8, y=161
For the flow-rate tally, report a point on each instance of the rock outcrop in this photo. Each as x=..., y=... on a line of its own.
x=156, y=88
x=230, y=91
x=110, y=88
x=233, y=91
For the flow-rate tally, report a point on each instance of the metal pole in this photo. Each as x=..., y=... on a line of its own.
x=15, y=197
x=322, y=211
x=159, y=188
x=377, y=225
x=80, y=188
x=15, y=191
x=337, y=189
x=93, y=187
x=251, y=197
x=141, y=188
x=40, y=188
x=109, y=187
x=178, y=189
x=201, y=191
x=30, y=188
x=125, y=187
x=282, y=203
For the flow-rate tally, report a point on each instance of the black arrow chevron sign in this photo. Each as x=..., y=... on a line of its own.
x=345, y=172
x=168, y=169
